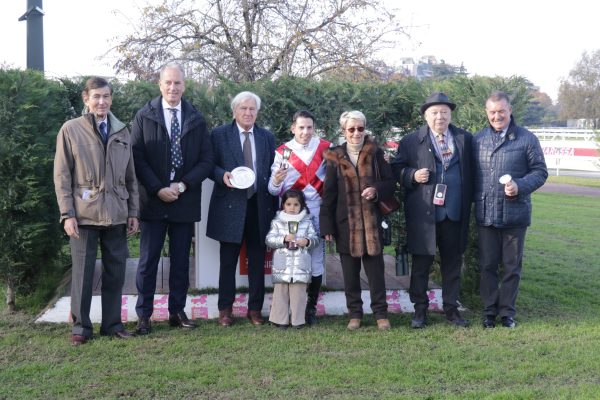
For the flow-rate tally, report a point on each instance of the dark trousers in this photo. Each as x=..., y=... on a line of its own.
x=113, y=245
x=255, y=251
x=500, y=246
x=448, y=242
x=374, y=269
x=151, y=243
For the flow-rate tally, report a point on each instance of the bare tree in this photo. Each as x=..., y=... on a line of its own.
x=579, y=95
x=247, y=40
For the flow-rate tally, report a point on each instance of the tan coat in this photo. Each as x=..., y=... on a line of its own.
x=97, y=185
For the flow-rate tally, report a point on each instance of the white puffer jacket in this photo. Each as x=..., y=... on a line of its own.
x=291, y=266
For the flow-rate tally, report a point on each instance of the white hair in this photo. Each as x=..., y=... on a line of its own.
x=348, y=115
x=240, y=97
x=172, y=65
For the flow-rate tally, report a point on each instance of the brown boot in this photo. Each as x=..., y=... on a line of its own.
x=354, y=324
x=383, y=324
x=225, y=318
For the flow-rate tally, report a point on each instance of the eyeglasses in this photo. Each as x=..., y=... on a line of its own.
x=360, y=129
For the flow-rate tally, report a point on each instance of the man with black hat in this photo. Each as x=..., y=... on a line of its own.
x=433, y=164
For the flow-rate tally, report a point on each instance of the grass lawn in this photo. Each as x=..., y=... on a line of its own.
x=553, y=353
x=572, y=180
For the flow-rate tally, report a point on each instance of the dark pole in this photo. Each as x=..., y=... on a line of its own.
x=35, y=34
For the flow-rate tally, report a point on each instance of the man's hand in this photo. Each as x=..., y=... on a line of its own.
x=422, y=175
x=227, y=179
x=279, y=176
x=511, y=189
x=132, y=225
x=71, y=227
x=168, y=194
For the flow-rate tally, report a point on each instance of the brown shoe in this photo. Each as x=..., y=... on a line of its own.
x=383, y=324
x=225, y=318
x=255, y=317
x=78, y=340
x=354, y=324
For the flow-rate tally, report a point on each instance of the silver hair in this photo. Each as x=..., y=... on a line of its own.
x=170, y=65
x=348, y=115
x=240, y=97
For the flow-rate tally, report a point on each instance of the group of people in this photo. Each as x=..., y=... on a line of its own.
x=110, y=183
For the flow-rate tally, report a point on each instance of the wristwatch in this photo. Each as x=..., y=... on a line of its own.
x=181, y=187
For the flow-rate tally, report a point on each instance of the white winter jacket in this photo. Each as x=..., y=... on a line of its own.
x=291, y=266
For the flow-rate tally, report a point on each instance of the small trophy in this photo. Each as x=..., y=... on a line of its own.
x=504, y=179
x=287, y=152
x=293, y=227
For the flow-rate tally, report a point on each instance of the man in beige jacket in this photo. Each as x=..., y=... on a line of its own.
x=97, y=194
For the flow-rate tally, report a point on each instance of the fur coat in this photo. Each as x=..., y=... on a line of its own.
x=354, y=221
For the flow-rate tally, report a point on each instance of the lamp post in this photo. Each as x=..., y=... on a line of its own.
x=35, y=34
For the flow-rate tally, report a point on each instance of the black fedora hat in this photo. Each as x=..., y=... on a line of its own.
x=437, y=98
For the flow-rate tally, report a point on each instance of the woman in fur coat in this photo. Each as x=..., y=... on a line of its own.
x=350, y=216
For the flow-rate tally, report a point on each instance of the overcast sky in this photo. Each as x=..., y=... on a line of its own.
x=539, y=40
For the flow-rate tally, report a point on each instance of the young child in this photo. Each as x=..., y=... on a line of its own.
x=291, y=267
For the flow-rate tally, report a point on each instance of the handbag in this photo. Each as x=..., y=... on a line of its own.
x=389, y=205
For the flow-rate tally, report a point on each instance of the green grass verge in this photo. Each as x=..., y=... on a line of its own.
x=552, y=354
x=572, y=180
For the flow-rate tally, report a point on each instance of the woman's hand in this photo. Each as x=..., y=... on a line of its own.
x=369, y=193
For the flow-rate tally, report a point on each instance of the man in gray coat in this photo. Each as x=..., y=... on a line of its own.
x=503, y=206
x=97, y=193
x=433, y=165
x=238, y=213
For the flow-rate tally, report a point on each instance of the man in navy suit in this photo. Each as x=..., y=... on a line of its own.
x=173, y=156
x=237, y=215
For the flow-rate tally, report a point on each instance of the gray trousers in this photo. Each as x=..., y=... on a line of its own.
x=113, y=245
x=500, y=246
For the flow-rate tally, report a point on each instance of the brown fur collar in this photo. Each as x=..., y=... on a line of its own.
x=363, y=215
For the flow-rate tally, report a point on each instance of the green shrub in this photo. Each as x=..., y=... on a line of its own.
x=31, y=111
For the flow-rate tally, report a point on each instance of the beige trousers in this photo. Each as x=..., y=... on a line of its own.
x=288, y=298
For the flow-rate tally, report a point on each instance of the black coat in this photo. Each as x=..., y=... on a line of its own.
x=227, y=213
x=152, y=156
x=416, y=151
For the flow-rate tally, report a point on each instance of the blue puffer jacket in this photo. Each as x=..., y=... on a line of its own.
x=519, y=155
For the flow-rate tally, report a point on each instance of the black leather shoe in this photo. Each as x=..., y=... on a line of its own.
x=122, y=334
x=453, y=317
x=489, y=322
x=181, y=320
x=508, y=322
x=311, y=317
x=144, y=327
x=419, y=320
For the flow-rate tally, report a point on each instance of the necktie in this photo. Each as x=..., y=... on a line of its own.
x=103, y=131
x=176, y=155
x=445, y=152
x=497, y=137
x=247, y=149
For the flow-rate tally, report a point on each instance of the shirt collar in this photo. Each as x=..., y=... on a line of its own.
x=167, y=106
x=241, y=130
